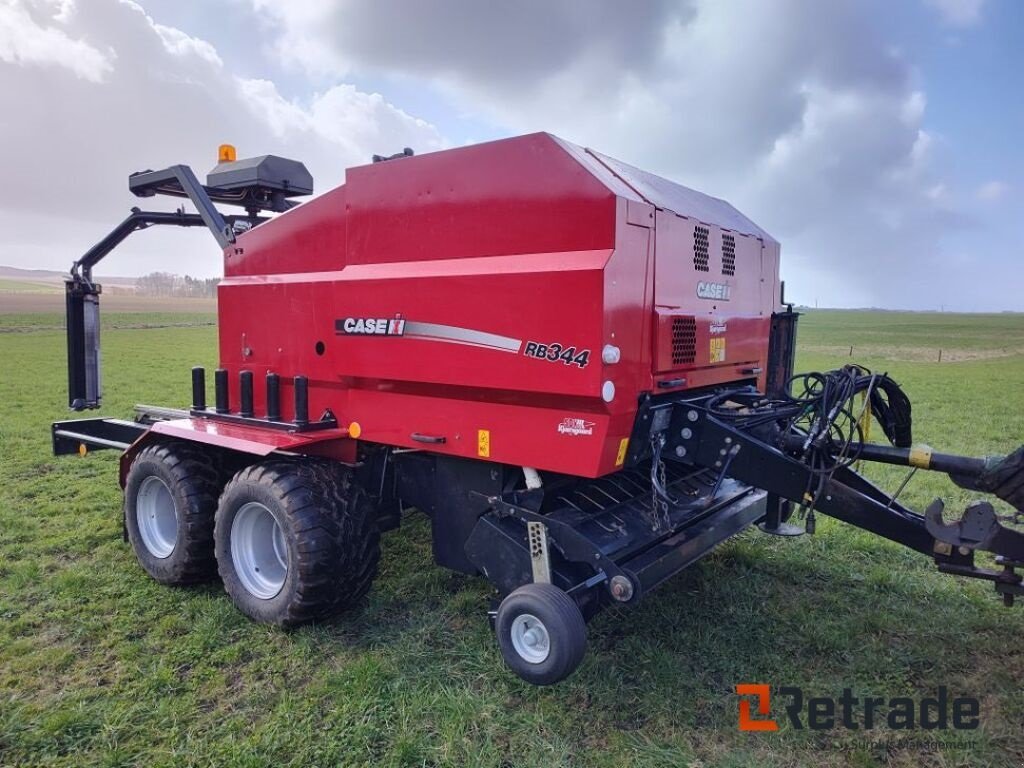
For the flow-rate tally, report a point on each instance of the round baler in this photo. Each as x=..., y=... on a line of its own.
x=582, y=373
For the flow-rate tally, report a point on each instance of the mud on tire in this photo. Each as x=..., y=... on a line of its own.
x=296, y=541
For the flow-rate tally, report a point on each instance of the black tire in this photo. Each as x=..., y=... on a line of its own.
x=328, y=545
x=183, y=475
x=561, y=621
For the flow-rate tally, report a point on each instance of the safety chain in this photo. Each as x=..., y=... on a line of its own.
x=659, y=517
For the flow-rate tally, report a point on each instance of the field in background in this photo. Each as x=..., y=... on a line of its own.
x=101, y=666
x=38, y=291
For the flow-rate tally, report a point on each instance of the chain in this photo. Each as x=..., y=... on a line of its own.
x=663, y=509
x=659, y=517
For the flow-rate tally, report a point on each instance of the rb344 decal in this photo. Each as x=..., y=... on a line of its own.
x=554, y=352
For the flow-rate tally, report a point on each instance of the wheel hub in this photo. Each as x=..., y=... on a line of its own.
x=157, y=517
x=258, y=550
x=530, y=638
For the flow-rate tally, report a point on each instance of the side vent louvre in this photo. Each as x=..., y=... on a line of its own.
x=728, y=254
x=684, y=340
x=701, y=248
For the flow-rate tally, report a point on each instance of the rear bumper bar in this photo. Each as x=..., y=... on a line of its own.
x=80, y=435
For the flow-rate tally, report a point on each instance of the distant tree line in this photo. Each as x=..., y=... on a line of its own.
x=167, y=284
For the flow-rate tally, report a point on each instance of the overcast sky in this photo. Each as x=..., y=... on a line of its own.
x=882, y=143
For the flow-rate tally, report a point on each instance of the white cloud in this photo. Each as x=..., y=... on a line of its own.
x=166, y=97
x=993, y=190
x=33, y=33
x=180, y=44
x=802, y=114
x=958, y=13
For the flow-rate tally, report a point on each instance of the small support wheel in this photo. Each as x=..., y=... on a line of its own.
x=541, y=633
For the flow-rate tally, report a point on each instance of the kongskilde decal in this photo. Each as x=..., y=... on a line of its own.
x=370, y=326
x=576, y=427
x=709, y=290
x=554, y=352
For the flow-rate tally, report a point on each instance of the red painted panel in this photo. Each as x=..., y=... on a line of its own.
x=310, y=238
x=523, y=195
x=482, y=267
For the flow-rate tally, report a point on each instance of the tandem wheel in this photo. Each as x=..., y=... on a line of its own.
x=170, y=496
x=541, y=633
x=296, y=541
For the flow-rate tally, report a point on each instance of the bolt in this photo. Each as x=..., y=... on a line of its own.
x=965, y=551
x=692, y=415
x=687, y=433
x=680, y=451
x=722, y=452
x=728, y=440
x=621, y=588
x=718, y=463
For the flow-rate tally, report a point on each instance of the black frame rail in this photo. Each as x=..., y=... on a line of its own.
x=694, y=435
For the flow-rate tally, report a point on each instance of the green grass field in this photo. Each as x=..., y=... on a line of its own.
x=8, y=285
x=101, y=666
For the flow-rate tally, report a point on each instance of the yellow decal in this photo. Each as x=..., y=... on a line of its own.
x=620, y=457
x=718, y=350
x=483, y=442
x=920, y=456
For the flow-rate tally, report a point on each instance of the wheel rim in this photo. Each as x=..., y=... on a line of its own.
x=258, y=550
x=157, y=517
x=530, y=638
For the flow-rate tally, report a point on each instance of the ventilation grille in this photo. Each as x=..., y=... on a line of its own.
x=728, y=255
x=701, y=247
x=684, y=340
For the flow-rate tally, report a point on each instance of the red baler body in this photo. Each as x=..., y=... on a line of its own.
x=480, y=264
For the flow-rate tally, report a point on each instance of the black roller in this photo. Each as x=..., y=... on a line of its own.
x=273, y=397
x=220, y=386
x=245, y=385
x=301, y=400
x=199, y=388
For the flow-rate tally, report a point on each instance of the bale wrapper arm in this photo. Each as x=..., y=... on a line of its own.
x=252, y=187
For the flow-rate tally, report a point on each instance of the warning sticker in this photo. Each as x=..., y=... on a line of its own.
x=483, y=442
x=620, y=457
x=717, y=354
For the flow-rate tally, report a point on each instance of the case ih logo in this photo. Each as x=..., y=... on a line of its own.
x=370, y=326
x=853, y=713
x=576, y=427
x=707, y=290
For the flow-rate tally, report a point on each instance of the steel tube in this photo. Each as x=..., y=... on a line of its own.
x=199, y=388
x=301, y=400
x=220, y=386
x=245, y=388
x=273, y=397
